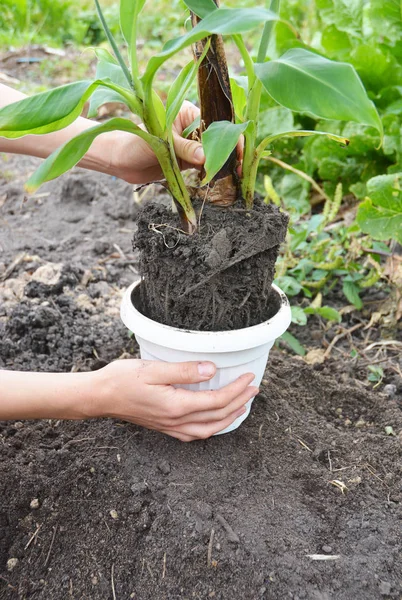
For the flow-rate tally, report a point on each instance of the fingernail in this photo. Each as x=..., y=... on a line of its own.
x=241, y=411
x=199, y=155
x=206, y=369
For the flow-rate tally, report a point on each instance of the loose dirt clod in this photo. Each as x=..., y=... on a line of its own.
x=12, y=563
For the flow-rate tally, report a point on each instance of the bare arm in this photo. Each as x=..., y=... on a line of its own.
x=98, y=158
x=117, y=153
x=138, y=391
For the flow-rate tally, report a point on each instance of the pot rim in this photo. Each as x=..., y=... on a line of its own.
x=204, y=341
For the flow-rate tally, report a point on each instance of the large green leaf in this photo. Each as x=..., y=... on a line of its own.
x=46, y=112
x=380, y=214
x=129, y=11
x=218, y=141
x=225, y=21
x=64, y=158
x=306, y=82
x=385, y=18
x=201, y=8
x=346, y=15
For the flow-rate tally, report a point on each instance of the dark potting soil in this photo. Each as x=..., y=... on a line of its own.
x=122, y=512
x=218, y=279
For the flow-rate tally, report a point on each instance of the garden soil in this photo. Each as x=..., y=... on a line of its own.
x=303, y=501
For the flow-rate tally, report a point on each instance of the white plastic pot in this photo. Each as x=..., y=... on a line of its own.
x=233, y=352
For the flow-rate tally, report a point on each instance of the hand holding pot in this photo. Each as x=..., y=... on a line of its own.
x=143, y=392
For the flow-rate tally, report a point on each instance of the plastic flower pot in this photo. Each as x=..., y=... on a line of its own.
x=233, y=352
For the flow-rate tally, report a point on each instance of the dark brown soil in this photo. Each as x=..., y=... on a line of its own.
x=218, y=279
x=127, y=513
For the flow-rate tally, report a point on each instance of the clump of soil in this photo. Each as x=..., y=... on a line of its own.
x=218, y=279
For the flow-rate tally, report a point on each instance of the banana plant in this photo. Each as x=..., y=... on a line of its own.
x=300, y=80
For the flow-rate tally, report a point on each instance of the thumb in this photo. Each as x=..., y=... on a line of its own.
x=189, y=151
x=164, y=373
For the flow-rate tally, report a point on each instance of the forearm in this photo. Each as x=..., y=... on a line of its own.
x=46, y=395
x=41, y=146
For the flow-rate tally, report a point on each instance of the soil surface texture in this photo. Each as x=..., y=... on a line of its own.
x=303, y=501
x=218, y=279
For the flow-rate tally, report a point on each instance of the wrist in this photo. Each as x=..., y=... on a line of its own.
x=101, y=393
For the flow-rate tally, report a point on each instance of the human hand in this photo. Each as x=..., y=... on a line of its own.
x=135, y=162
x=142, y=392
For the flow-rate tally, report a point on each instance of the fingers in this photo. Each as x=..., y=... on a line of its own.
x=202, y=431
x=189, y=152
x=185, y=402
x=211, y=416
x=165, y=373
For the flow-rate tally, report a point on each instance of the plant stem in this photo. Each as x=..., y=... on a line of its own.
x=165, y=153
x=215, y=96
x=250, y=158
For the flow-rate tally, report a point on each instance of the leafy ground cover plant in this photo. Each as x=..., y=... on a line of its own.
x=367, y=34
x=299, y=80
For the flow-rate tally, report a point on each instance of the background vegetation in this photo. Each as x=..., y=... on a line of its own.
x=345, y=202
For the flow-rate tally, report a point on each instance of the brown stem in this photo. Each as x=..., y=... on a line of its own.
x=216, y=105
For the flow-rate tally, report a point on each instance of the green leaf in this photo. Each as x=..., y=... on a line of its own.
x=239, y=97
x=70, y=153
x=201, y=8
x=113, y=44
x=376, y=373
x=346, y=15
x=178, y=90
x=267, y=33
x=298, y=315
x=159, y=109
x=293, y=343
x=225, y=21
x=114, y=72
x=385, y=18
x=380, y=214
x=129, y=11
x=192, y=127
x=289, y=285
x=48, y=111
x=274, y=120
x=351, y=292
x=306, y=82
x=326, y=312
x=102, y=54
x=216, y=154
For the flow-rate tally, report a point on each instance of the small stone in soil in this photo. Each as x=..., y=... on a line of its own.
x=385, y=588
x=12, y=563
x=138, y=488
x=327, y=549
x=113, y=514
x=34, y=504
x=164, y=467
x=390, y=389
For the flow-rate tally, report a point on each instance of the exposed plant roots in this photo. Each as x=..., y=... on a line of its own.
x=218, y=279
